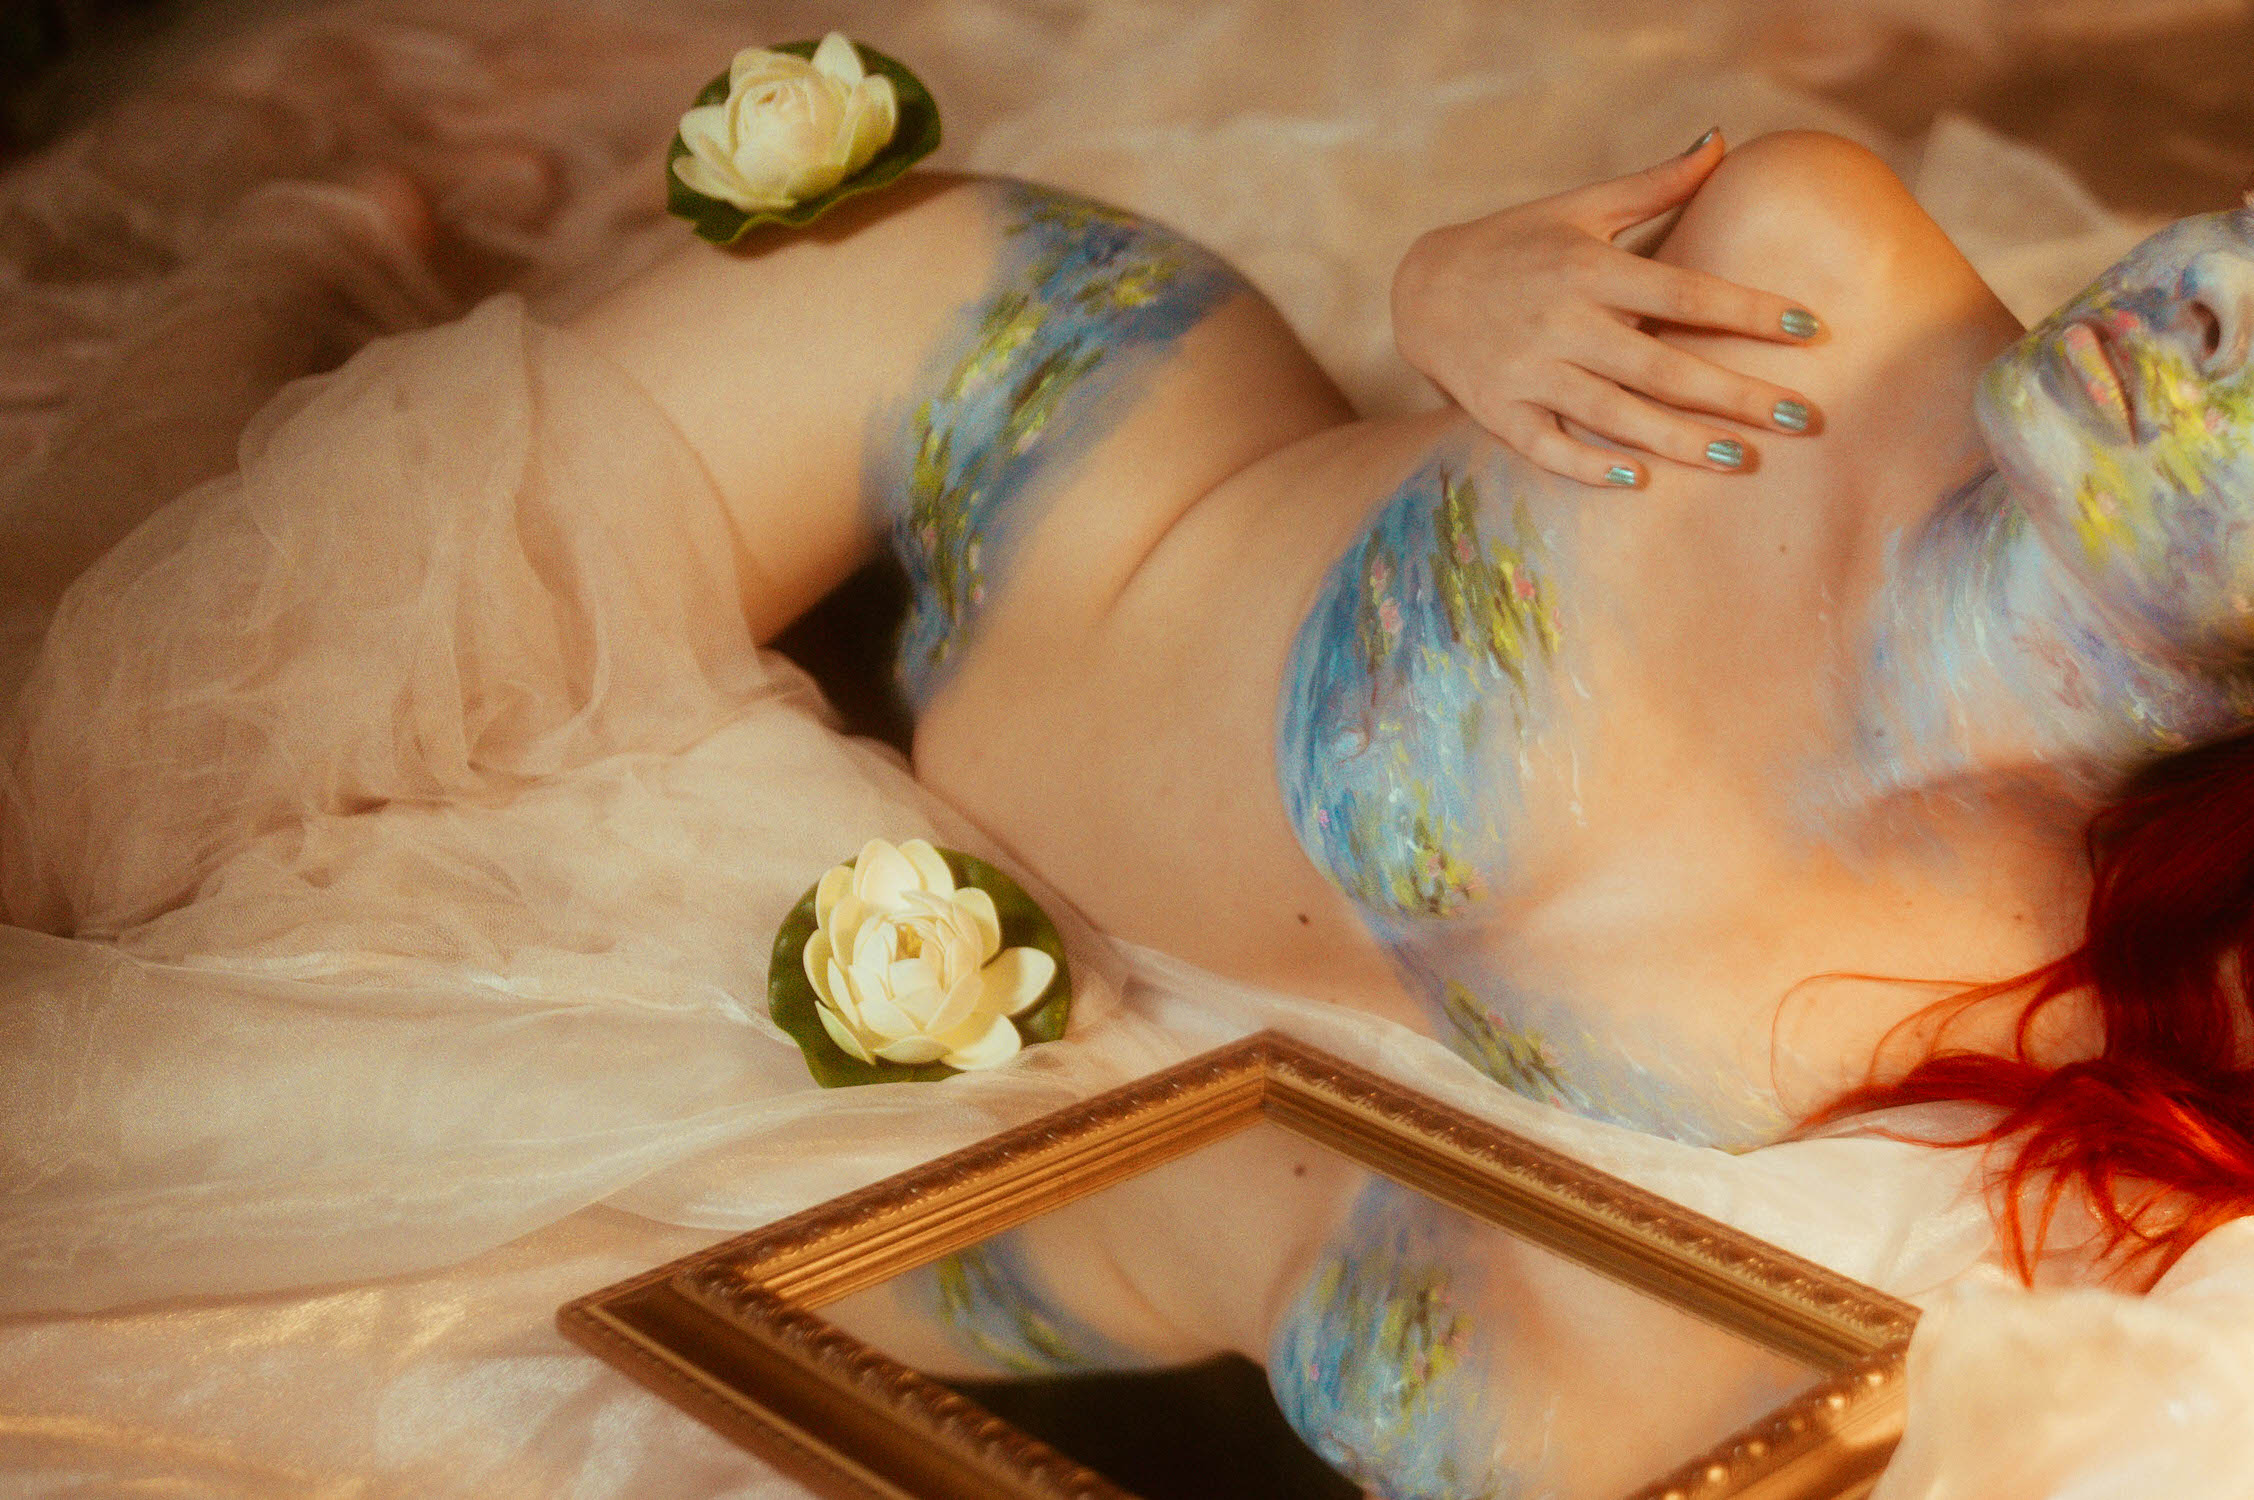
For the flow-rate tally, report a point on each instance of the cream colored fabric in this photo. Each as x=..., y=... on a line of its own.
x=423, y=813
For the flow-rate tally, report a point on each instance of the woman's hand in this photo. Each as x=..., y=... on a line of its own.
x=1531, y=316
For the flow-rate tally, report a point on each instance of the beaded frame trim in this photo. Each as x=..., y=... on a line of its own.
x=730, y=1333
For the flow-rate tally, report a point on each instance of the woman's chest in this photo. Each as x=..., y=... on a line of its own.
x=1498, y=688
x=1540, y=788
x=1579, y=781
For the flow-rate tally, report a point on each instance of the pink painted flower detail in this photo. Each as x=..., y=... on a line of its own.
x=1525, y=586
x=1389, y=615
x=1463, y=549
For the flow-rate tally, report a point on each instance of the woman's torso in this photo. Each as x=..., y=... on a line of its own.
x=1387, y=716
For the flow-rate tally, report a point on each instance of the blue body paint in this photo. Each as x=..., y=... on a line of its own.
x=2089, y=604
x=1564, y=1055
x=1427, y=675
x=991, y=1300
x=1379, y=1365
x=1982, y=652
x=1416, y=684
x=1085, y=301
x=2123, y=420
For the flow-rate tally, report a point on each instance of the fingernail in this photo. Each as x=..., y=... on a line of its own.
x=1800, y=323
x=1700, y=144
x=1792, y=416
x=1620, y=474
x=1727, y=452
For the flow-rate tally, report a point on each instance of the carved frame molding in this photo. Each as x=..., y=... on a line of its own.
x=731, y=1335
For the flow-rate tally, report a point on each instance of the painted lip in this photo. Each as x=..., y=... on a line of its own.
x=2095, y=365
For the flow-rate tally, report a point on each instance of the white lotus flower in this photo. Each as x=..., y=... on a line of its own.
x=789, y=129
x=909, y=969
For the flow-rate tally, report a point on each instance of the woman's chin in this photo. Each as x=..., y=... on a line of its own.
x=2035, y=445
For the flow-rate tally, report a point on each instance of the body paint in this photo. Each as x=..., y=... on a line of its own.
x=1380, y=1367
x=2089, y=605
x=989, y=1298
x=1414, y=690
x=1423, y=686
x=1984, y=652
x=2123, y=420
x=1644, y=1074
x=1084, y=303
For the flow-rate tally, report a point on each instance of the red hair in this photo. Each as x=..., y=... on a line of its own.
x=2158, y=1128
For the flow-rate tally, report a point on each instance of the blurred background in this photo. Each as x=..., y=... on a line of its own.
x=1367, y=120
x=2072, y=77
x=369, y=166
x=2078, y=79
x=154, y=152
x=1308, y=139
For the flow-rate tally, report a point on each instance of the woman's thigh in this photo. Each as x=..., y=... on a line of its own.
x=769, y=357
x=975, y=351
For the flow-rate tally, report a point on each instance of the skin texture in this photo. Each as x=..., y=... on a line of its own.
x=1083, y=296
x=2083, y=606
x=1424, y=686
x=1607, y=786
x=1539, y=324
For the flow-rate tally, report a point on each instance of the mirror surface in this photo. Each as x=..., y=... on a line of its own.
x=1411, y=1346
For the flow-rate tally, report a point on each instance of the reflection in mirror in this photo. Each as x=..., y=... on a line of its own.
x=1413, y=1348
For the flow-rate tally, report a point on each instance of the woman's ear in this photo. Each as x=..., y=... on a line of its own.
x=2246, y=191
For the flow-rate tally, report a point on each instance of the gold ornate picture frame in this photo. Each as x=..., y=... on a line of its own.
x=731, y=1334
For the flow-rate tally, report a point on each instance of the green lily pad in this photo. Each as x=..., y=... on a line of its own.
x=791, y=1000
x=914, y=138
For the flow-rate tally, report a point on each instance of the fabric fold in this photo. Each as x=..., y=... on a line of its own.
x=419, y=810
x=418, y=813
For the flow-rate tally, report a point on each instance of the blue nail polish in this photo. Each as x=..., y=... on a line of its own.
x=1620, y=474
x=1800, y=323
x=1792, y=416
x=1727, y=452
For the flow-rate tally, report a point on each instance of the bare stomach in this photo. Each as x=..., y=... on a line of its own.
x=1112, y=722
x=1646, y=894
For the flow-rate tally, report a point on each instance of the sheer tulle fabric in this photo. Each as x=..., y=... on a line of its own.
x=420, y=811
x=407, y=814
x=481, y=559
x=393, y=826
